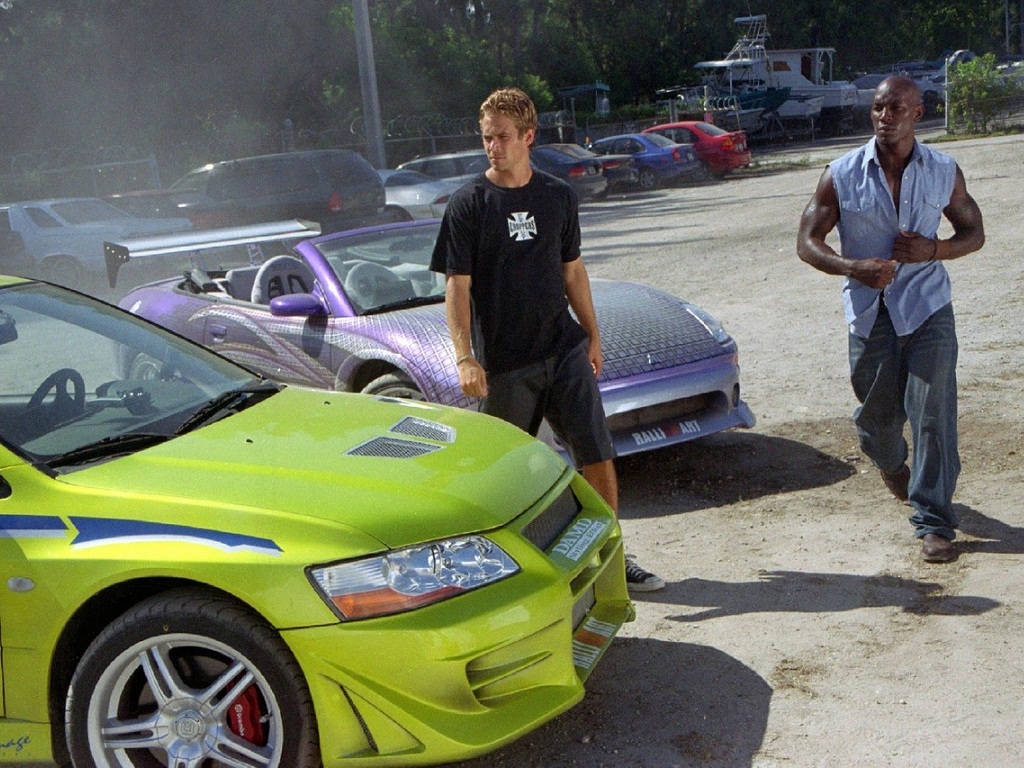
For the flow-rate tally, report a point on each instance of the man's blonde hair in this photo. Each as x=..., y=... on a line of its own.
x=514, y=104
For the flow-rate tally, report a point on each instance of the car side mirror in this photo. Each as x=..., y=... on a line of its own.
x=8, y=330
x=297, y=305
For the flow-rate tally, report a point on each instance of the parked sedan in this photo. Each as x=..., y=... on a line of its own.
x=206, y=568
x=412, y=195
x=585, y=174
x=620, y=170
x=718, y=149
x=361, y=311
x=456, y=166
x=62, y=239
x=660, y=161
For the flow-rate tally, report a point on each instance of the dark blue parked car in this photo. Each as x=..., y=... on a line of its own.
x=661, y=161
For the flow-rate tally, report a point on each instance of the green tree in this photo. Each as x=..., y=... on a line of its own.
x=978, y=93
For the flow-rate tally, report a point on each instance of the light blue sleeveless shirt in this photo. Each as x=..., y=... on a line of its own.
x=868, y=225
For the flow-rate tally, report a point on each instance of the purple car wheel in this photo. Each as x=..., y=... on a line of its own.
x=394, y=385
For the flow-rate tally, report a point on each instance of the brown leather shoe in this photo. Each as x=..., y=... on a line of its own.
x=937, y=549
x=897, y=482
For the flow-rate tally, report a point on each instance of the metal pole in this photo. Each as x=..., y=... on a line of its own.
x=1006, y=26
x=368, y=84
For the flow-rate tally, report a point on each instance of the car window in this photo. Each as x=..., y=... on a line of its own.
x=440, y=167
x=475, y=163
x=41, y=218
x=232, y=181
x=193, y=181
x=280, y=175
x=711, y=130
x=84, y=211
x=659, y=140
x=406, y=178
x=77, y=371
x=350, y=167
x=575, y=150
x=385, y=268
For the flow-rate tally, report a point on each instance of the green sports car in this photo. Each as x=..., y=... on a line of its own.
x=199, y=567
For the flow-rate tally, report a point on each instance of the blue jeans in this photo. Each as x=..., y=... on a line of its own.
x=901, y=378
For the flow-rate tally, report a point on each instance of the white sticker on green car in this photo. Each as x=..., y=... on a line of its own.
x=575, y=542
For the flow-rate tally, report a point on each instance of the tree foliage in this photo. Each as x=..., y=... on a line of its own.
x=978, y=94
x=218, y=75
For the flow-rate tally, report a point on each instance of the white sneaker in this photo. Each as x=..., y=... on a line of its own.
x=639, y=580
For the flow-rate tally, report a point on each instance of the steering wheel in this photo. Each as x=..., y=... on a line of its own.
x=65, y=403
x=367, y=283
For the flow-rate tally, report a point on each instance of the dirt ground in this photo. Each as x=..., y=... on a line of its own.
x=799, y=626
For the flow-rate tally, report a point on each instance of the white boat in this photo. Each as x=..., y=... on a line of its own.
x=807, y=72
x=801, y=108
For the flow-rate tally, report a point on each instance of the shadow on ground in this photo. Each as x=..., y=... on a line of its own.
x=991, y=536
x=799, y=592
x=723, y=469
x=710, y=711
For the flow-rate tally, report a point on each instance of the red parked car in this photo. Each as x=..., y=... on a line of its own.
x=721, y=151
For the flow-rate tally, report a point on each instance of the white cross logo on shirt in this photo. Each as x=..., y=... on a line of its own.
x=522, y=226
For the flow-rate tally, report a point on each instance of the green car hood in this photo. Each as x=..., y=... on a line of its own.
x=379, y=466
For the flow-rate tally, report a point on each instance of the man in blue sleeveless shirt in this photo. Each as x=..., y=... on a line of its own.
x=886, y=200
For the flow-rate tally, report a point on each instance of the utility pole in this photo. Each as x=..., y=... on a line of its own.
x=1006, y=26
x=368, y=85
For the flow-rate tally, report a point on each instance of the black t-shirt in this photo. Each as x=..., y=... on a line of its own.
x=513, y=242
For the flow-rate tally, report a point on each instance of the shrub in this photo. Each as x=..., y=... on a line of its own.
x=978, y=94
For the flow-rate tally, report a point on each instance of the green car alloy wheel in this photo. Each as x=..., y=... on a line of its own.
x=186, y=677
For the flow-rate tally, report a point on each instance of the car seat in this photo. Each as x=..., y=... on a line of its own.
x=238, y=282
x=279, y=276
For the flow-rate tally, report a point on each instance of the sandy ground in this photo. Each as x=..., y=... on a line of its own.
x=799, y=626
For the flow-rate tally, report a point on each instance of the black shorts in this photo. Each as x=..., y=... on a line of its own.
x=562, y=390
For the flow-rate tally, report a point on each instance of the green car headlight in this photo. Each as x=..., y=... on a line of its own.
x=411, y=578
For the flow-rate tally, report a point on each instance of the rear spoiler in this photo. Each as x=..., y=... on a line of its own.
x=117, y=254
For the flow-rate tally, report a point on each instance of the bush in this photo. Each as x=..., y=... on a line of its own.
x=978, y=94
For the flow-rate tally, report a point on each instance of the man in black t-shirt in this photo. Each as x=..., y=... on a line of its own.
x=509, y=245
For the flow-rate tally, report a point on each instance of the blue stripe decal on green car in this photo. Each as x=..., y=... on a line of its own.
x=31, y=527
x=93, y=532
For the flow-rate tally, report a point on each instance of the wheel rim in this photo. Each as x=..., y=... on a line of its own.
x=404, y=391
x=647, y=179
x=185, y=701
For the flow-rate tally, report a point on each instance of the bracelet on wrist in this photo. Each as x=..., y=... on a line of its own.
x=461, y=360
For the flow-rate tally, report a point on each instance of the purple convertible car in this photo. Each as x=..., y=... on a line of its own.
x=361, y=311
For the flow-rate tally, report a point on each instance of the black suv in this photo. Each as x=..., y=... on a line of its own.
x=336, y=188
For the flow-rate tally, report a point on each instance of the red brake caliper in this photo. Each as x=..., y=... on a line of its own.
x=245, y=717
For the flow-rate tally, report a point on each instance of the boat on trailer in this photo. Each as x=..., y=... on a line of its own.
x=750, y=67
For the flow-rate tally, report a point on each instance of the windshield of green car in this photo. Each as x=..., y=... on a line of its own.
x=82, y=381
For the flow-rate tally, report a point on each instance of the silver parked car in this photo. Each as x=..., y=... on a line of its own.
x=61, y=239
x=458, y=166
x=412, y=195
